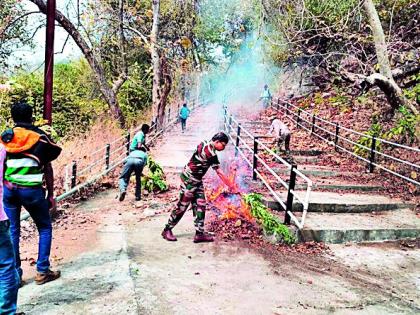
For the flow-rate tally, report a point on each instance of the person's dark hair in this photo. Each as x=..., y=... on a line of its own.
x=220, y=136
x=265, y=86
x=22, y=112
x=185, y=104
x=145, y=128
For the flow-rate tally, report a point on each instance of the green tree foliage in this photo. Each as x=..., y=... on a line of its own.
x=75, y=100
x=13, y=29
x=224, y=24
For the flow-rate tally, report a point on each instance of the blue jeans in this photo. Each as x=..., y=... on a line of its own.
x=34, y=201
x=9, y=278
x=132, y=165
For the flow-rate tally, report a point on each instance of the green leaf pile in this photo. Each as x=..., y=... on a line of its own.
x=155, y=180
x=270, y=223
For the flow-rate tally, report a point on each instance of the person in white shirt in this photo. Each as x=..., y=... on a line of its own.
x=266, y=97
x=281, y=133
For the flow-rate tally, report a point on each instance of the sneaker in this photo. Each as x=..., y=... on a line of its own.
x=168, y=235
x=121, y=195
x=44, y=277
x=203, y=238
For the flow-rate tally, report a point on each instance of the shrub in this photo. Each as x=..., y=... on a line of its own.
x=270, y=223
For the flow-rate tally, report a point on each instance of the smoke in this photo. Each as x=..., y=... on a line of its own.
x=241, y=68
x=242, y=65
x=239, y=82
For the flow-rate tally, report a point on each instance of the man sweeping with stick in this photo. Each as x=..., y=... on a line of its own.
x=192, y=189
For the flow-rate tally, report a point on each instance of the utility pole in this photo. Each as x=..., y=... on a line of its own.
x=49, y=61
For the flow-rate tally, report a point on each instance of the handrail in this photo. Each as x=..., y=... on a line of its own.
x=294, y=113
x=229, y=121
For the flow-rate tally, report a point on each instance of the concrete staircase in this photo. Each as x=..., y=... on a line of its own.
x=345, y=206
x=176, y=147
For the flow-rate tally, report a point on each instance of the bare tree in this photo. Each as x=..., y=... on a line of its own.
x=154, y=37
x=108, y=90
x=384, y=80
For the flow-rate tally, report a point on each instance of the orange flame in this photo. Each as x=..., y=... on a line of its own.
x=231, y=209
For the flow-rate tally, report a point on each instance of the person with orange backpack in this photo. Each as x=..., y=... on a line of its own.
x=28, y=164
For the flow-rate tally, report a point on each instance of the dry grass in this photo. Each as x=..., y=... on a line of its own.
x=85, y=150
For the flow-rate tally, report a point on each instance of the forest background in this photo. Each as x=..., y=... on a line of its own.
x=136, y=57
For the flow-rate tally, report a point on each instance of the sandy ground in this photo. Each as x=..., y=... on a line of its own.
x=114, y=261
x=126, y=267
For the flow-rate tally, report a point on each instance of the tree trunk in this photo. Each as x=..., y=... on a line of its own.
x=378, y=38
x=167, y=86
x=154, y=36
x=391, y=90
x=109, y=92
x=384, y=80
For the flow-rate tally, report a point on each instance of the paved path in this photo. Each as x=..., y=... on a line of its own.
x=132, y=270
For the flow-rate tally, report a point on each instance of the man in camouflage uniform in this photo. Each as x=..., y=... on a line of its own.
x=192, y=189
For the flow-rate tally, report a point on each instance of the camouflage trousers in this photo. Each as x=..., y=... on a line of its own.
x=191, y=193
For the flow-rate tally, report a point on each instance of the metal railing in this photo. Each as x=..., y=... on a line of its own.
x=251, y=148
x=97, y=164
x=347, y=140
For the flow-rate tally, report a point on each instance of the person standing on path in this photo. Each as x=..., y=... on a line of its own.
x=266, y=97
x=136, y=161
x=9, y=277
x=184, y=113
x=192, y=189
x=28, y=163
x=139, y=140
x=281, y=134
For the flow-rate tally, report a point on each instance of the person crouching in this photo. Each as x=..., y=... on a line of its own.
x=135, y=162
x=281, y=134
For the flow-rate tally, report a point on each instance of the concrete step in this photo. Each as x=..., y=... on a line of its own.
x=320, y=172
x=306, y=159
x=294, y=153
x=338, y=186
x=361, y=227
x=341, y=203
x=329, y=185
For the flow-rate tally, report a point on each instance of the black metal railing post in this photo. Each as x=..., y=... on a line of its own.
x=169, y=115
x=298, y=118
x=238, y=134
x=289, y=202
x=313, y=124
x=372, y=155
x=337, y=131
x=127, y=139
x=278, y=104
x=73, y=174
x=254, y=159
x=107, y=156
x=230, y=124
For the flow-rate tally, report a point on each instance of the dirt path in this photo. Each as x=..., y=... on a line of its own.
x=127, y=268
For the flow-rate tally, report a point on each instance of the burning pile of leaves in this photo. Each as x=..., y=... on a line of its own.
x=244, y=216
x=236, y=229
